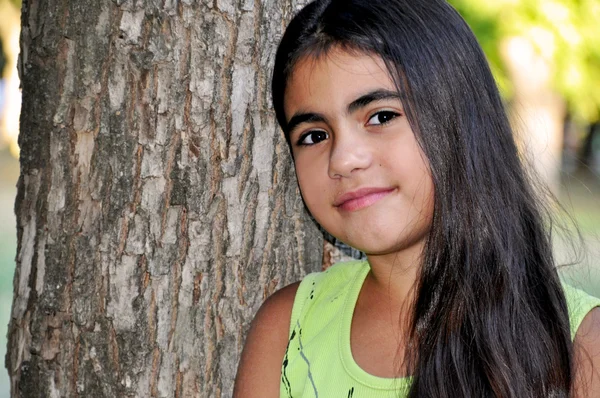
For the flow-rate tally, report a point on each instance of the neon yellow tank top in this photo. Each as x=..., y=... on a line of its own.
x=318, y=362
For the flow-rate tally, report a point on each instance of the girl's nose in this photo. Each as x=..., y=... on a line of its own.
x=349, y=154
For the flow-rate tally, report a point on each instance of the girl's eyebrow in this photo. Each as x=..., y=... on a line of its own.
x=360, y=102
x=376, y=95
x=300, y=118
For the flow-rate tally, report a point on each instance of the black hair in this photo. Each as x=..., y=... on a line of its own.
x=489, y=317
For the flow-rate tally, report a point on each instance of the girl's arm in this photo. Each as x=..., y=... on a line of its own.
x=587, y=356
x=259, y=371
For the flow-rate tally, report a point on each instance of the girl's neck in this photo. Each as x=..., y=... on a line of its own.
x=382, y=316
x=394, y=276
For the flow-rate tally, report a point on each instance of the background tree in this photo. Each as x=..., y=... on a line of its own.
x=546, y=56
x=157, y=205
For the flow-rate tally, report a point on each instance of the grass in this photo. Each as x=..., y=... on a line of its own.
x=581, y=197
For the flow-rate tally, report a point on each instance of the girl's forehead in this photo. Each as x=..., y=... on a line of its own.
x=337, y=60
x=337, y=74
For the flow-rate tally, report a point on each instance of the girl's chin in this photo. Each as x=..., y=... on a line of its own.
x=379, y=247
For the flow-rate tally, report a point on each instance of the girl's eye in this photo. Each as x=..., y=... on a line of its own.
x=382, y=117
x=313, y=137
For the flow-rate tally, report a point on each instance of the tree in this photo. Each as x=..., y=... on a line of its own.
x=157, y=205
x=546, y=56
x=564, y=33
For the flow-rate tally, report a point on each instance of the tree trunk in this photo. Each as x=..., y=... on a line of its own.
x=157, y=205
x=538, y=112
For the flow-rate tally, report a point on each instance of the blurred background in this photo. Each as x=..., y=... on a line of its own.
x=10, y=105
x=545, y=55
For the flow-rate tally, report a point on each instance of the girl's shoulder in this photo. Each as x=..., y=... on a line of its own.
x=259, y=369
x=580, y=304
x=584, y=317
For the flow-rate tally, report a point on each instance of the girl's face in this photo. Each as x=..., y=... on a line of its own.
x=360, y=170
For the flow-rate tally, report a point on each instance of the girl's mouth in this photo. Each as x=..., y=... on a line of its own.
x=361, y=198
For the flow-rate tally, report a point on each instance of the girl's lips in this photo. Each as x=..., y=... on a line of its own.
x=361, y=198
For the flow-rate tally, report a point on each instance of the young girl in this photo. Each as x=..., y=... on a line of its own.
x=403, y=150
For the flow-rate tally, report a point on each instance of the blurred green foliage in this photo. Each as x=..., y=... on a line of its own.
x=16, y=3
x=565, y=32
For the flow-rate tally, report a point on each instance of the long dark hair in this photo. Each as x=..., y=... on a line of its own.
x=490, y=318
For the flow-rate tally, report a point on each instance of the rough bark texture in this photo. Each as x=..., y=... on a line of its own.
x=157, y=205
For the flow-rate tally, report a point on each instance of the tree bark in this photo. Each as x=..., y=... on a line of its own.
x=157, y=205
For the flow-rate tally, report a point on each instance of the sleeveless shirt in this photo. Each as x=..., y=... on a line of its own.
x=318, y=361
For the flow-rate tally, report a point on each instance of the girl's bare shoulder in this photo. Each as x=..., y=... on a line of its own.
x=587, y=356
x=259, y=370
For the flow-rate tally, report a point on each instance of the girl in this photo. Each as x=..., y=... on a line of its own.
x=402, y=149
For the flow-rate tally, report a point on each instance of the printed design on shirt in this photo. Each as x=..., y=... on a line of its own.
x=351, y=393
x=310, y=376
x=284, y=378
